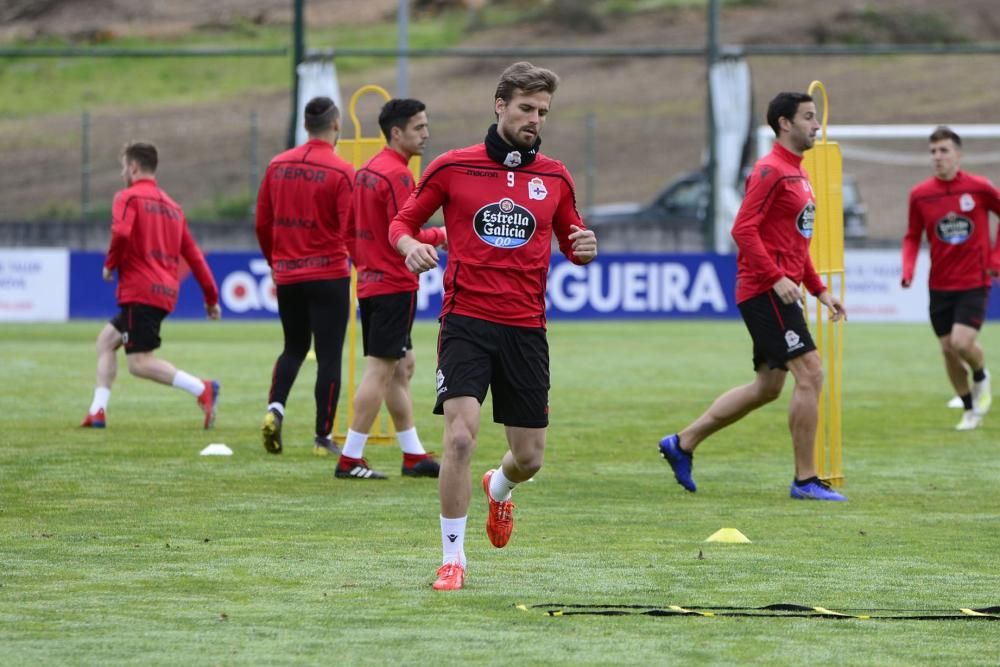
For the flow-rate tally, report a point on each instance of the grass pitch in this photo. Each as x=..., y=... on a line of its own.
x=124, y=546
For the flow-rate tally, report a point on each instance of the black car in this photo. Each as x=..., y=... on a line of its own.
x=676, y=218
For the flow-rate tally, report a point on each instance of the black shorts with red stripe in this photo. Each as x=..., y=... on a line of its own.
x=778, y=330
x=386, y=323
x=512, y=362
x=950, y=307
x=139, y=326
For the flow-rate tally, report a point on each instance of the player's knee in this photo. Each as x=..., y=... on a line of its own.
x=460, y=445
x=529, y=462
x=769, y=392
x=136, y=365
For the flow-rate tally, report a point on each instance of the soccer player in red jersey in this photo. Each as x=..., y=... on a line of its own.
x=387, y=294
x=149, y=239
x=953, y=209
x=303, y=218
x=503, y=201
x=772, y=232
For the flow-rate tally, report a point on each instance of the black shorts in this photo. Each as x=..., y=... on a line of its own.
x=967, y=306
x=513, y=362
x=386, y=322
x=778, y=330
x=139, y=325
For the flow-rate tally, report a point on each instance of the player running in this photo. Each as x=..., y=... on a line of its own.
x=149, y=239
x=952, y=208
x=503, y=202
x=772, y=232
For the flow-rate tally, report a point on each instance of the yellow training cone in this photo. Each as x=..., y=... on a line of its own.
x=729, y=536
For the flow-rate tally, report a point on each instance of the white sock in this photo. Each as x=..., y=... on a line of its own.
x=409, y=441
x=189, y=383
x=277, y=407
x=500, y=486
x=354, y=444
x=101, y=396
x=453, y=540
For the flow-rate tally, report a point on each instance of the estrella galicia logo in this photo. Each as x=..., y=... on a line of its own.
x=953, y=229
x=806, y=220
x=504, y=224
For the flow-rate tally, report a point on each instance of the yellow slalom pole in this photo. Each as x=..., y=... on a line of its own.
x=824, y=164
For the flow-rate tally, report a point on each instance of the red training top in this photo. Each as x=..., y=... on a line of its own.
x=955, y=215
x=304, y=213
x=774, y=225
x=500, y=223
x=381, y=187
x=149, y=237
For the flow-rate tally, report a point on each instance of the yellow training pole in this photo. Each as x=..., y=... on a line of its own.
x=824, y=165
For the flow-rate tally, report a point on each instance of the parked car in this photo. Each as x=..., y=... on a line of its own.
x=675, y=218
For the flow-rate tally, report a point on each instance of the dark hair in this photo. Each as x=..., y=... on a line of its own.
x=784, y=105
x=943, y=133
x=397, y=113
x=320, y=114
x=143, y=154
x=527, y=78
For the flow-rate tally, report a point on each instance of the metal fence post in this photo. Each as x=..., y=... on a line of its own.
x=589, y=140
x=85, y=165
x=253, y=171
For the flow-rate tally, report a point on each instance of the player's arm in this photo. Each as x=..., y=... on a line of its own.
x=760, y=194
x=396, y=193
x=264, y=218
x=404, y=230
x=576, y=242
x=911, y=242
x=993, y=204
x=344, y=203
x=122, y=222
x=202, y=273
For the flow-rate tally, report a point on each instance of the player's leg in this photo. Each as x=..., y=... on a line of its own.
x=520, y=388
x=329, y=309
x=461, y=428
x=293, y=310
x=803, y=420
x=465, y=347
x=417, y=462
x=109, y=339
x=764, y=316
x=970, y=313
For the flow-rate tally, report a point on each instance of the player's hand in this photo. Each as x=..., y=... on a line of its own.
x=107, y=274
x=905, y=282
x=788, y=291
x=444, y=239
x=214, y=311
x=421, y=257
x=837, y=310
x=584, y=243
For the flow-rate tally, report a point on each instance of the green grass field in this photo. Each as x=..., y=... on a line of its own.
x=124, y=546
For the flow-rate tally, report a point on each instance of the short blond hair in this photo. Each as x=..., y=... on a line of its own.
x=527, y=78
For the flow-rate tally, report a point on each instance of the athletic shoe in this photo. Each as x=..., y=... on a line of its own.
x=208, y=400
x=982, y=395
x=325, y=447
x=970, y=420
x=348, y=468
x=420, y=465
x=815, y=489
x=679, y=460
x=956, y=402
x=500, y=516
x=271, y=431
x=450, y=577
x=95, y=420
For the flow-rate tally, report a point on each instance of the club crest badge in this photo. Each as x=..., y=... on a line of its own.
x=966, y=203
x=536, y=189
